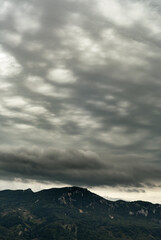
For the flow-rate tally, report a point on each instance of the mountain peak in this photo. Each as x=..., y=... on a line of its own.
x=28, y=190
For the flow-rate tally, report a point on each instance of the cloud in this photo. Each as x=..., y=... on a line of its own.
x=76, y=167
x=74, y=75
x=60, y=75
x=9, y=66
x=135, y=190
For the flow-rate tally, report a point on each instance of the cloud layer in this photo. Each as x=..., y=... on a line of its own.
x=84, y=168
x=81, y=75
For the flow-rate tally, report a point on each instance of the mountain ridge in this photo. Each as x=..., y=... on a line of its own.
x=75, y=213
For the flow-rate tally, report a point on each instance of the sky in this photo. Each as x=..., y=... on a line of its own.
x=80, y=96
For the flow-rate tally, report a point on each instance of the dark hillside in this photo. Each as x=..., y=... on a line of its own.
x=75, y=213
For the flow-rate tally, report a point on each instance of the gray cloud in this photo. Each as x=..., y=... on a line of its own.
x=79, y=167
x=75, y=75
x=135, y=190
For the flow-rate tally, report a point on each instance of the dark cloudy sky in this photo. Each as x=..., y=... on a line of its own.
x=80, y=95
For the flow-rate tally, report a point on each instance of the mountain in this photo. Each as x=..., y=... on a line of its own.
x=74, y=213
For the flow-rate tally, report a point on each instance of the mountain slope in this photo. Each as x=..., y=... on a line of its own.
x=75, y=213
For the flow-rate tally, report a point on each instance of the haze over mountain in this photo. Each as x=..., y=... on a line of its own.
x=80, y=104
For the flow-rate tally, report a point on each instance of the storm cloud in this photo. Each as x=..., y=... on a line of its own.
x=81, y=75
x=83, y=168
